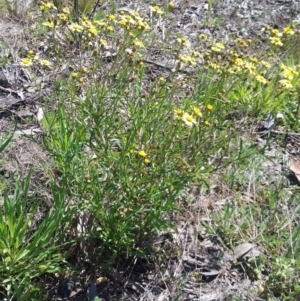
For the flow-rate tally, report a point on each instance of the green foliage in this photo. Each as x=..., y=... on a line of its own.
x=265, y=225
x=27, y=253
x=116, y=156
x=128, y=150
x=5, y=143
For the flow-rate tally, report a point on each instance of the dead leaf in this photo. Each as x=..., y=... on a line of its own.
x=40, y=114
x=253, y=253
x=207, y=203
x=242, y=249
x=212, y=272
x=27, y=132
x=101, y=280
x=295, y=167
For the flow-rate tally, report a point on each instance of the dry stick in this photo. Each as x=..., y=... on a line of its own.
x=76, y=10
x=94, y=9
x=157, y=64
x=278, y=132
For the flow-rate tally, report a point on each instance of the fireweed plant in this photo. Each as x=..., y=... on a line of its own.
x=126, y=142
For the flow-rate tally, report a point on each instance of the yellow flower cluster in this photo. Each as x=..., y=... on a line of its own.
x=186, y=60
x=189, y=119
x=90, y=30
x=156, y=9
x=28, y=61
x=288, y=74
x=243, y=42
x=218, y=47
x=132, y=21
x=183, y=41
x=251, y=65
x=276, y=41
x=276, y=35
x=141, y=153
x=47, y=5
x=189, y=59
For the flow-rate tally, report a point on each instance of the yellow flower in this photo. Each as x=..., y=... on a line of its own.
x=86, y=45
x=288, y=31
x=93, y=30
x=268, y=28
x=277, y=33
x=145, y=26
x=286, y=83
x=209, y=107
x=239, y=62
x=288, y=72
x=45, y=63
x=111, y=17
x=66, y=10
x=261, y=79
x=76, y=27
x=276, y=41
x=188, y=119
x=31, y=55
x=250, y=67
x=86, y=23
x=171, y=4
x=187, y=59
x=42, y=8
x=147, y=161
x=49, y=4
x=110, y=28
x=129, y=20
x=63, y=17
x=49, y=24
x=206, y=123
x=138, y=43
x=103, y=42
x=183, y=41
x=253, y=59
x=196, y=111
x=178, y=113
x=81, y=80
x=156, y=9
x=203, y=36
x=74, y=74
x=99, y=23
x=195, y=53
x=218, y=47
x=266, y=64
x=213, y=65
x=26, y=62
x=230, y=70
x=243, y=42
x=142, y=153
x=136, y=15
x=237, y=68
x=161, y=80
x=123, y=21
